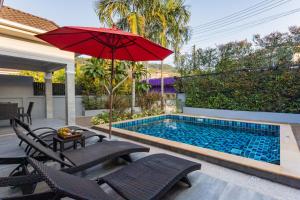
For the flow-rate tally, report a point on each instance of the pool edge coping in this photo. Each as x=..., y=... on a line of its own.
x=287, y=172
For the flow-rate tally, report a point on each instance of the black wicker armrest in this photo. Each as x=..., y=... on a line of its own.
x=46, y=134
x=20, y=180
x=36, y=196
x=41, y=128
x=13, y=160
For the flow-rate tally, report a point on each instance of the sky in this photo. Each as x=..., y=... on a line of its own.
x=82, y=13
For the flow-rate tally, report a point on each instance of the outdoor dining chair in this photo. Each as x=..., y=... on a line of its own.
x=27, y=114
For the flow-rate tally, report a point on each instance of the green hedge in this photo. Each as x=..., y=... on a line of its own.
x=257, y=90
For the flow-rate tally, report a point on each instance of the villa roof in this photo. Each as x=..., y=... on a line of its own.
x=24, y=18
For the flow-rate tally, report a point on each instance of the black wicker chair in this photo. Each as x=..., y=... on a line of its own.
x=149, y=178
x=44, y=135
x=27, y=114
x=8, y=111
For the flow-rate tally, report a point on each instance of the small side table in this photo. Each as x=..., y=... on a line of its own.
x=62, y=142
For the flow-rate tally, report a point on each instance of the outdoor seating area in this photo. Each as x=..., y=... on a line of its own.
x=10, y=110
x=144, y=104
x=156, y=181
x=221, y=182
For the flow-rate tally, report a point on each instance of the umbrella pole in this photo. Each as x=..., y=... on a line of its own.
x=111, y=91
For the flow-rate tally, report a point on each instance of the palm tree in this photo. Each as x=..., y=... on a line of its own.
x=128, y=17
x=127, y=14
x=162, y=21
x=169, y=27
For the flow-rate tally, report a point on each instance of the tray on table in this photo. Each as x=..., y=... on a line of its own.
x=74, y=135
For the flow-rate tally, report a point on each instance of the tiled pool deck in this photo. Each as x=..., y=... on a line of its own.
x=288, y=172
x=213, y=182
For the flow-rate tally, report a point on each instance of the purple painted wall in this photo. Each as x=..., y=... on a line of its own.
x=168, y=84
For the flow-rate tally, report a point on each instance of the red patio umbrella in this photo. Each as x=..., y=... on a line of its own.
x=106, y=43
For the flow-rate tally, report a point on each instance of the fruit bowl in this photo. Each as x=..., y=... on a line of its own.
x=66, y=133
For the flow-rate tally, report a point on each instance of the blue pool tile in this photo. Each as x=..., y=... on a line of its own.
x=255, y=141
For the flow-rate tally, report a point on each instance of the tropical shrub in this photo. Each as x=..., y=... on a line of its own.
x=147, y=101
x=272, y=90
x=117, y=116
x=94, y=102
x=120, y=103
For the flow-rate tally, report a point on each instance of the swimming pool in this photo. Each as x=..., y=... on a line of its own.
x=255, y=141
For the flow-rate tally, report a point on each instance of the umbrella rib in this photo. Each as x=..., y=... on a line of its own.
x=145, y=49
x=100, y=41
x=119, y=39
x=101, y=51
x=64, y=33
x=76, y=43
x=129, y=43
x=128, y=53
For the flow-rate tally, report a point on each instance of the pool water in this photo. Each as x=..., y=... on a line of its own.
x=255, y=141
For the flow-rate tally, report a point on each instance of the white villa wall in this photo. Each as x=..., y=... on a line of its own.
x=18, y=41
x=19, y=89
x=59, y=106
x=245, y=115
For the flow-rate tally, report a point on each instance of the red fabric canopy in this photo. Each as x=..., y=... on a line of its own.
x=99, y=42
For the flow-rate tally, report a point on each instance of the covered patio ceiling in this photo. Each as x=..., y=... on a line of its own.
x=21, y=50
x=19, y=63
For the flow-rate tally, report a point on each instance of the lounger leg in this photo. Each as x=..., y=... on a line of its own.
x=15, y=171
x=127, y=158
x=63, y=158
x=39, y=196
x=99, y=181
x=19, y=171
x=186, y=181
x=28, y=189
x=56, y=197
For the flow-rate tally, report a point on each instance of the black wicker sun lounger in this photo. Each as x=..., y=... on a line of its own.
x=45, y=134
x=71, y=161
x=149, y=178
x=83, y=158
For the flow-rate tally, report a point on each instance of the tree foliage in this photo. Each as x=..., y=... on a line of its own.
x=162, y=21
x=96, y=75
x=57, y=76
x=275, y=49
x=258, y=76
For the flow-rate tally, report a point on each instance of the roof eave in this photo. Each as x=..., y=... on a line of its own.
x=21, y=26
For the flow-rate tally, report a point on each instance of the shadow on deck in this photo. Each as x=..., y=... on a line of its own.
x=211, y=183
